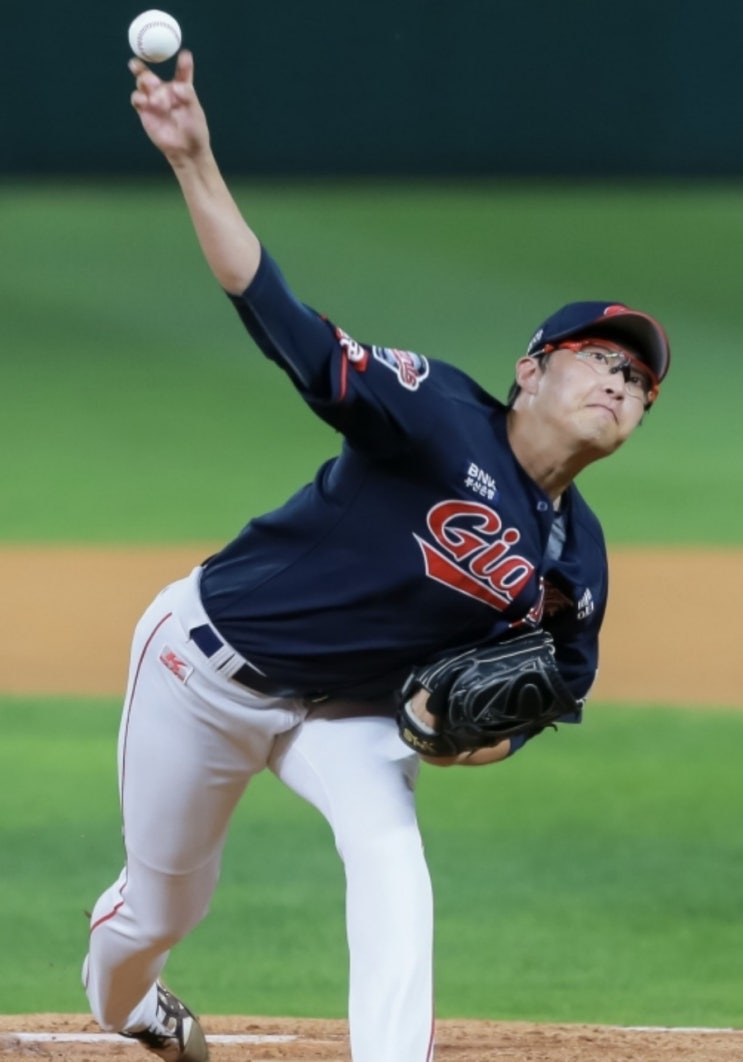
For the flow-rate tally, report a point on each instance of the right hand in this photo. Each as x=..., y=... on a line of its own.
x=170, y=111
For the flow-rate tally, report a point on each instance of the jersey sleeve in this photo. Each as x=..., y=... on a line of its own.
x=576, y=635
x=372, y=394
x=576, y=653
x=289, y=333
x=575, y=624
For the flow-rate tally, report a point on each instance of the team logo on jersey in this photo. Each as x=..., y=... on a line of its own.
x=356, y=353
x=480, y=482
x=552, y=601
x=473, y=553
x=411, y=369
x=180, y=668
x=534, y=616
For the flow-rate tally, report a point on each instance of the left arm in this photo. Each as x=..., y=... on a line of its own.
x=482, y=705
x=476, y=758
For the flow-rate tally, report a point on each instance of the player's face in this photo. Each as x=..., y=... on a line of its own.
x=578, y=392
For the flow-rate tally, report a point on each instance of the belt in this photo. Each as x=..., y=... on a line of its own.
x=209, y=642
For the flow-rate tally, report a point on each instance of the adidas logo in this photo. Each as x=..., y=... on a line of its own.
x=585, y=605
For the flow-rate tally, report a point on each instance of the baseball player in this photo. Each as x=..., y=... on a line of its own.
x=448, y=521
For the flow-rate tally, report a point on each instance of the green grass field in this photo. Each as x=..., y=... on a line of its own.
x=593, y=878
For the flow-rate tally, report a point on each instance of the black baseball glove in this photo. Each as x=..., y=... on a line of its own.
x=484, y=695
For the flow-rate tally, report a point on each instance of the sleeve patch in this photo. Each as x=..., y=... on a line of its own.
x=354, y=352
x=410, y=369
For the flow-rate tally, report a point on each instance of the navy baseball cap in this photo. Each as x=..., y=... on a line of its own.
x=609, y=320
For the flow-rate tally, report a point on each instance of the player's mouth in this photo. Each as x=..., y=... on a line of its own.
x=607, y=409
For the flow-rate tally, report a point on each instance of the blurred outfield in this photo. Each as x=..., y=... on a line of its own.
x=136, y=410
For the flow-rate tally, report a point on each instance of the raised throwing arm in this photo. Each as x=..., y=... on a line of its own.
x=174, y=120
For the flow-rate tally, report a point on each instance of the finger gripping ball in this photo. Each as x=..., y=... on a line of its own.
x=154, y=36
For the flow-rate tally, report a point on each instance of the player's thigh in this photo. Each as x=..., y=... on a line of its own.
x=353, y=767
x=189, y=744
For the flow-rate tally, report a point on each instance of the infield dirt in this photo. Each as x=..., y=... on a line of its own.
x=316, y=1040
x=671, y=634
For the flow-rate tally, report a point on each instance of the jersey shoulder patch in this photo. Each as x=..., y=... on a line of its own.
x=411, y=369
x=356, y=353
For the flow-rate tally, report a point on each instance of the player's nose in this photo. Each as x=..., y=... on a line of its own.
x=614, y=384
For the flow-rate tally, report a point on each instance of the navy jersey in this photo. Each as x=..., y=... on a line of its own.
x=423, y=536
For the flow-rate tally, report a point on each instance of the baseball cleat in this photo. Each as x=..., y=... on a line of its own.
x=175, y=1035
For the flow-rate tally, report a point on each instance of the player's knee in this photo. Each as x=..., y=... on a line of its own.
x=168, y=925
x=381, y=846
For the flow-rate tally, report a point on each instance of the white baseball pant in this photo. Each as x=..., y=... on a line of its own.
x=190, y=741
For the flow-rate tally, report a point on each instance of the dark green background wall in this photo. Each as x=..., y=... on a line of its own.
x=392, y=87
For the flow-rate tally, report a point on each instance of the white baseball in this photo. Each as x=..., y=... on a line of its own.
x=154, y=36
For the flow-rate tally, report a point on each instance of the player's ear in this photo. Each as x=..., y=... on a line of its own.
x=528, y=371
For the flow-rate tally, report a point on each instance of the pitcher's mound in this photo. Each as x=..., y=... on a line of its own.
x=75, y=1038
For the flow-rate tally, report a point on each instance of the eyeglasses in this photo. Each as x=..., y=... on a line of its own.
x=606, y=359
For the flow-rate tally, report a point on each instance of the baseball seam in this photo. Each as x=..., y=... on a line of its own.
x=155, y=25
